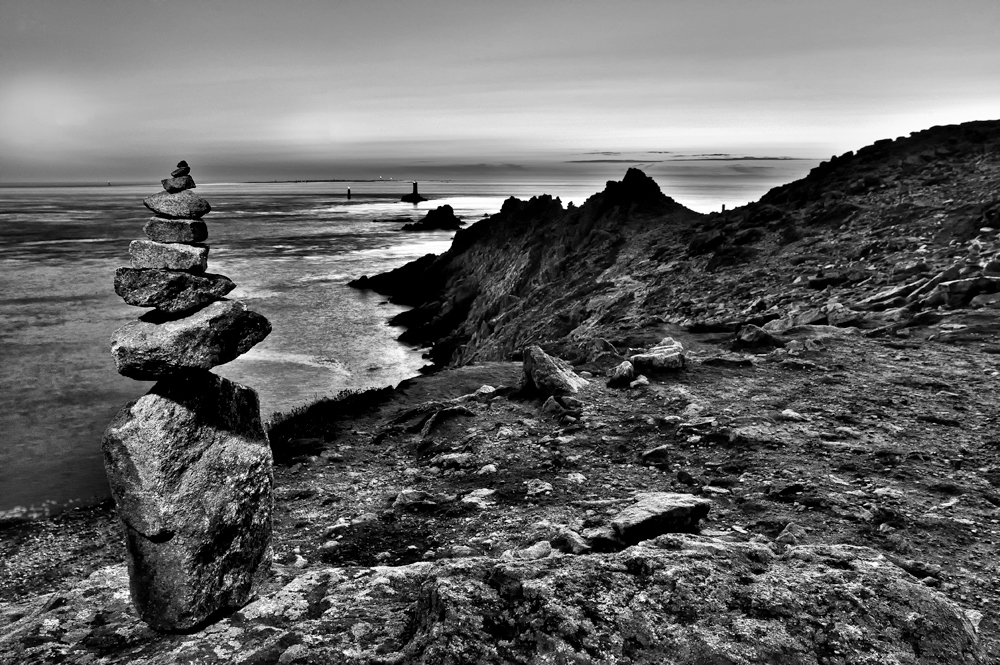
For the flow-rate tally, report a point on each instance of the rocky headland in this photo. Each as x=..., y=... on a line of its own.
x=758, y=436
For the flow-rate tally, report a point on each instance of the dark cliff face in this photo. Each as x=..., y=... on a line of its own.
x=631, y=264
x=533, y=271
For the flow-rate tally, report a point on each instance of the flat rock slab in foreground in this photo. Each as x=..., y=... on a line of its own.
x=657, y=513
x=155, y=346
x=170, y=291
x=190, y=471
x=161, y=229
x=685, y=600
x=183, y=205
x=163, y=256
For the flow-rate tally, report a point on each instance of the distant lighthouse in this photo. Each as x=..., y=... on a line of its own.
x=414, y=197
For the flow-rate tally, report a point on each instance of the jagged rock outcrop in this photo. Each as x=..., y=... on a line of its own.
x=869, y=240
x=189, y=463
x=190, y=468
x=545, y=375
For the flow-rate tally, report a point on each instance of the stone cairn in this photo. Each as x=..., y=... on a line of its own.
x=189, y=462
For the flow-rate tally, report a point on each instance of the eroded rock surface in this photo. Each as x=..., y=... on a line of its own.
x=691, y=599
x=190, y=470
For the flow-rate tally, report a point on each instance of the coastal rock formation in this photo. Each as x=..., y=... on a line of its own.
x=189, y=463
x=170, y=291
x=868, y=240
x=190, y=470
x=156, y=345
x=441, y=218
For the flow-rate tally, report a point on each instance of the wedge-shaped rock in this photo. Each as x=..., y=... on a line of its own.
x=161, y=229
x=157, y=346
x=164, y=256
x=190, y=470
x=170, y=291
x=184, y=205
x=178, y=184
x=547, y=375
x=657, y=513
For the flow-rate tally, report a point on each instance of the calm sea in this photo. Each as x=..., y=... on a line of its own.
x=290, y=247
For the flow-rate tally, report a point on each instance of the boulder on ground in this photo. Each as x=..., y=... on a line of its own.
x=157, y=346
x=183, y=205
x=657, y=513
x=161, y=229
x=667, y=355
x=190, y=470
x=622, y=375
x=164, y=256
x=178, y=183
x=170, y=291
x=547, y=375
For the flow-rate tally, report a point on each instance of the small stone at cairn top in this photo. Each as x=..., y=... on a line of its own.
x=181, y=170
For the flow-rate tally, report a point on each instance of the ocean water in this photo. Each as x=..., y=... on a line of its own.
x=290, y=247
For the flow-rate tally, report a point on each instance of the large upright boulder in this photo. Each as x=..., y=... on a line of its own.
x=190, y=470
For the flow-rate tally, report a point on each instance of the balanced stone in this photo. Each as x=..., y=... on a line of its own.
x=190, y=470
x=182, y=169
x=178, y=184
x=151, y=254
x=182, y=205
x=157, y=346
x=170, y=291
x=161, y=229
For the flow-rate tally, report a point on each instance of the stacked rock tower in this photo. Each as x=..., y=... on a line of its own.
x=189, y=462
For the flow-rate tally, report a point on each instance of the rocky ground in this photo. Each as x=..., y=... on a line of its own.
x=836, y=413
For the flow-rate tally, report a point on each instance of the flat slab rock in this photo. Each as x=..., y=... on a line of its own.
x=190, y=471
x=700, y=600
x=155, y=347
x=170, y=291
x=657, y=513
x=168, y=256
x=161, y=229
x=548, y=375
x=183, y=205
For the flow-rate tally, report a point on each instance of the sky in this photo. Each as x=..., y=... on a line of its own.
x=94, y=90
